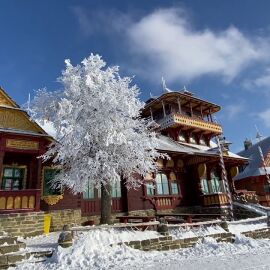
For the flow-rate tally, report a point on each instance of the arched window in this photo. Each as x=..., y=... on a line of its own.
x=216, y=183
x=150, y=189
x=204, y=185
x=162, y=184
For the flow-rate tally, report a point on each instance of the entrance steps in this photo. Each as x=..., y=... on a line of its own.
x=13, y=251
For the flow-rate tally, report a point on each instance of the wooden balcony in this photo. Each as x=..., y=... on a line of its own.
x=177, y=119
x=26, y=200
x=215, y=199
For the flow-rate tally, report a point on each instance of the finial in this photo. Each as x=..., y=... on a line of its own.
x=164, y=87
x=258, y=135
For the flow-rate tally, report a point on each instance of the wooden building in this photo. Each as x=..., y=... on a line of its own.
x=24, y=181
x=253, y=176
x=192, y=177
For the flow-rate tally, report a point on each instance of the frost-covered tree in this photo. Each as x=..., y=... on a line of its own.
x=101, y=138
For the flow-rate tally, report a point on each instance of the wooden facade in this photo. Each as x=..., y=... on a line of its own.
x=192, y=176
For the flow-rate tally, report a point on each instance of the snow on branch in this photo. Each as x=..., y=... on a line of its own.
x=101, y=137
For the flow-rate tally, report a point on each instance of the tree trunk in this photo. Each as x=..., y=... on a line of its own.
x=106, y=204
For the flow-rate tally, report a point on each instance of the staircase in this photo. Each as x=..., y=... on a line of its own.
x=13, y=251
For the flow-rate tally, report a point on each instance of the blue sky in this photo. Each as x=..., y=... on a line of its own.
x=220, y=50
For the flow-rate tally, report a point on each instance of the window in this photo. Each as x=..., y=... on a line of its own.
x=150, y=189
x=216, y=184
x=162, y=184
x=116, y=190
x=267, y=188
x=13, y=178
x=89, y=193
x=174, y=188
x=204, y=185
x=49, y=175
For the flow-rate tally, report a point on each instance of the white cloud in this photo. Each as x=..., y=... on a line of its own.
x=265, y=117
x=166, y=40
x=262, y=81
x=233, y=110
x=164, y=43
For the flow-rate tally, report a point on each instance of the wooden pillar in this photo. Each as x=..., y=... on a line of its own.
x=39, y=174
x=191, y=111
x=164, y=112
x=201, y=111
x=179, y=105
x=2, y=154
x=210, y=115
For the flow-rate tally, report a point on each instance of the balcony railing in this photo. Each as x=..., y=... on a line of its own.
x=26, y=200
x=164, y=202
x=215, y=199
x=93, y=206
x=177, y=119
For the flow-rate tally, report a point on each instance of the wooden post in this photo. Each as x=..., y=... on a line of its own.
x=179, y=105
x=2, y=154
x=164, y=112
x=191, y=111
x=39, y=174
x=210, y=115
x=201, y=111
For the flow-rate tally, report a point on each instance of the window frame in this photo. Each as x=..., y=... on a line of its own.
x=22, y=180
x=57, y=193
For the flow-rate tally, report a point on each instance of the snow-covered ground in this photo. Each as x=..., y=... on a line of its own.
x=92, y=250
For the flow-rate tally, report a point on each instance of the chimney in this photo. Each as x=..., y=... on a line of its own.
x=247, y=143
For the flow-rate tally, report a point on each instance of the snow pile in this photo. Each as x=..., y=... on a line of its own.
x=249, y=224
x=187, y=232
x=251, y=208
x=92, y=250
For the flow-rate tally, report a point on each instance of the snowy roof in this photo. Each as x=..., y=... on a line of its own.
x=25, y=132
x=167, y=144
x=254, y=167
x=212, y=150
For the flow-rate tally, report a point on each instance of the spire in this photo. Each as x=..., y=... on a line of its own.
x=258, y=134
x=164, y=87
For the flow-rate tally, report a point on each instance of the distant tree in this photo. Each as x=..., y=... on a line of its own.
x=101, y=138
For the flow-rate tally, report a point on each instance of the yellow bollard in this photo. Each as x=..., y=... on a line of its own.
x=47, y=223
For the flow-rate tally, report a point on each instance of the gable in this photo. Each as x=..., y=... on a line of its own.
x=12, y=117
x=6, y=100
x=19, y=120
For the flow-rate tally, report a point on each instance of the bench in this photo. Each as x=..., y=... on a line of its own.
x=189, y=217
x=138, y=226
x=125, y=219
